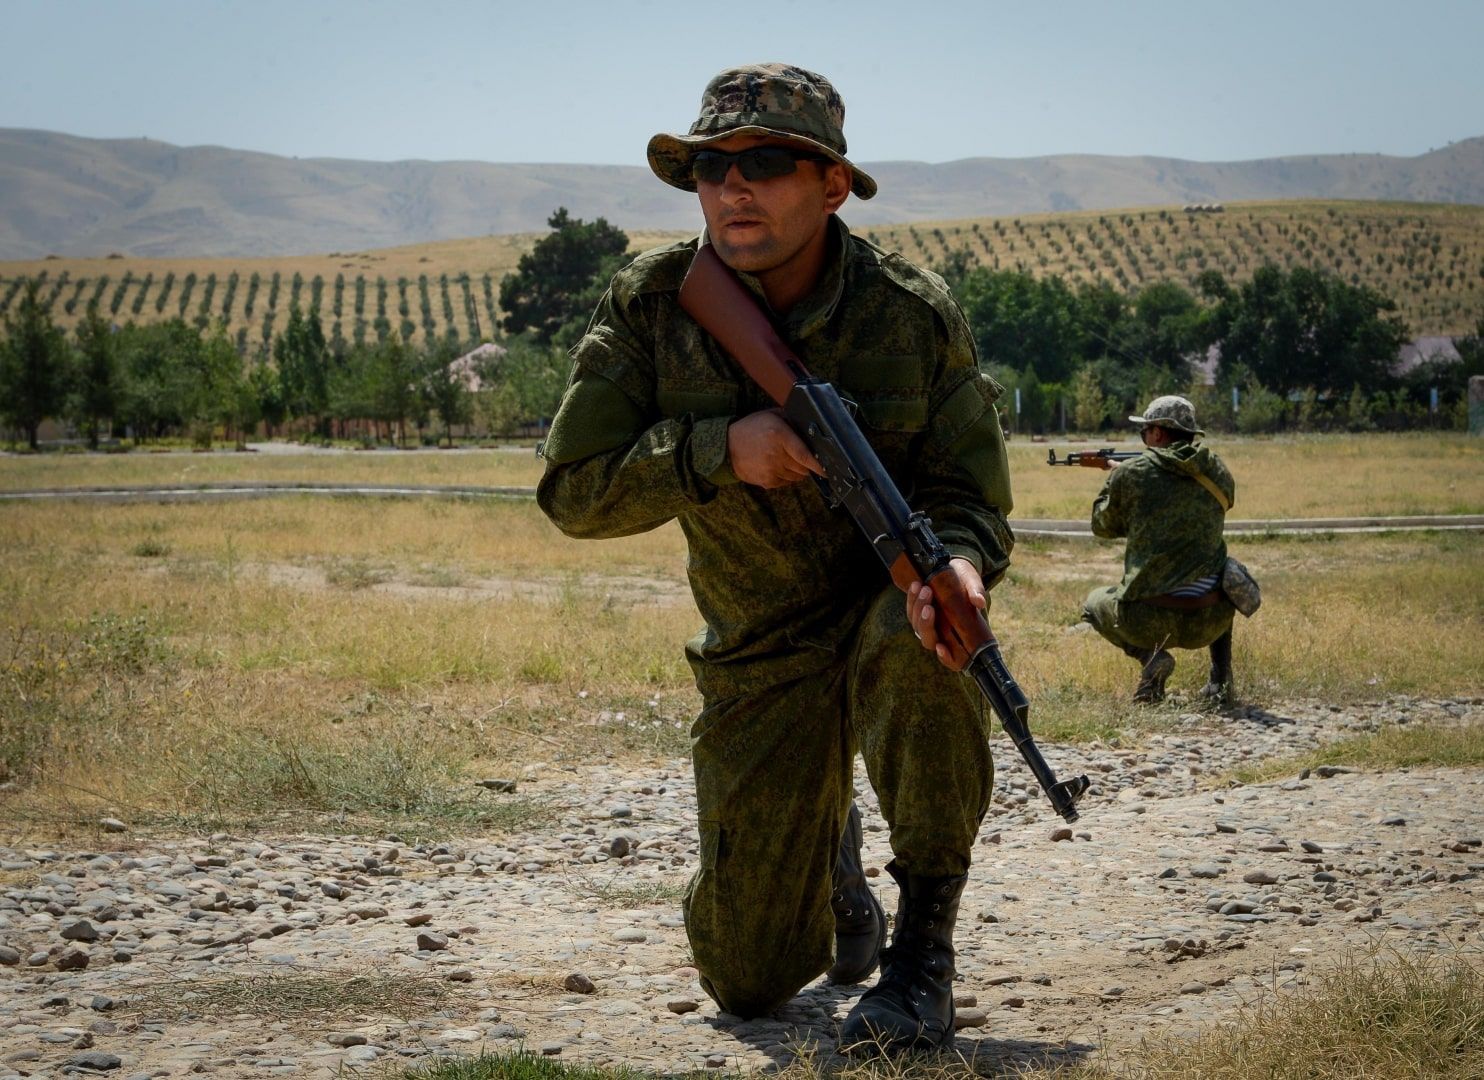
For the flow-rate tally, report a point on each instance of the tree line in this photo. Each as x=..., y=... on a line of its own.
x=1300, y=348
x=174, y=378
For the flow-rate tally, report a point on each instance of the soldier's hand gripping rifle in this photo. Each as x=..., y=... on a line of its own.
x=855, y=479
x=1105, y=458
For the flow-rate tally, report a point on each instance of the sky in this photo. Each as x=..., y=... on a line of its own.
x=589, y=82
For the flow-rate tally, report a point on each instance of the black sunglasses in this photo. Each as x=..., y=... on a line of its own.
x=758, y=163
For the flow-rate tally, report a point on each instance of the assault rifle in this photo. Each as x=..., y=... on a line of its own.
x=1105, y=458
x=856, y=480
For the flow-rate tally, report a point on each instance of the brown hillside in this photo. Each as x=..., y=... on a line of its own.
x=1429, y=258
x=61, y=194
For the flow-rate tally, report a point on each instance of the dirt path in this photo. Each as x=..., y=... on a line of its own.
x=1173, y=903
x=206, y=492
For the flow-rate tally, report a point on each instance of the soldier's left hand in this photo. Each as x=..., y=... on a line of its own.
x=922, y=614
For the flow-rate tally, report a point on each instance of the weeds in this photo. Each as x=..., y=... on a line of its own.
x=197, y=696
x=293, y=995
x=392, y=778
x=354, y=573
x=517, y=1065
x=1392, y=747
x=630, y=894
x=1397, y=1016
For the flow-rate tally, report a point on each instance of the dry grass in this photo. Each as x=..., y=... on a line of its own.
x=517, y=1065
x=292, y=995
x=481, y=468
x=629, y=894
x=1391, y=747
x=197, y=688
x=1338, y=597
x=1288, y=476
x=1280, y=477
x=198, y=665
x=1398, y=1017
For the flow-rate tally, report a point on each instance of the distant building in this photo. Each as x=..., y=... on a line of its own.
x=1414, y=353
x=1420, y=350
x=469, y=365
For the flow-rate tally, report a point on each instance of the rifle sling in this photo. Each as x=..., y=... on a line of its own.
x=1216, y=492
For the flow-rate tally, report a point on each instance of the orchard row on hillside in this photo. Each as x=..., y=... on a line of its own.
x=1429, y=259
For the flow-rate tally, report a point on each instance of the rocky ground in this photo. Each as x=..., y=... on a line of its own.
x=1170, y=904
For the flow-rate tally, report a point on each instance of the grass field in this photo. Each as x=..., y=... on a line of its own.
x=208, y=664
x=1429, y=258
x=1281, y=477
x=1381, y=1015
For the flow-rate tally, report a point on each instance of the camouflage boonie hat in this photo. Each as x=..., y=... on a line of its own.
x=1170, y=411
x=761, y=99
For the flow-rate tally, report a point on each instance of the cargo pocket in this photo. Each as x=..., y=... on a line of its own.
x=889, y=391
x=710, y=917
x=702, y=400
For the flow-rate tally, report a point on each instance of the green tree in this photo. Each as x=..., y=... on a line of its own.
x=954, y=269
x=1261, y=410
x=1089, y=407
x=34, y=361
x=1019, y=322
x=1310, y=328
x=162, y=366
x=97, y=381
x=1471, y=348
x=525, y=384
x=1448, y=376
x=445, y=386
x=267, y=392
x=1102, y=314
x=1167, y=327
x=1358, y=411
x=552, y=285
x=303, y=361
x=228, y=395
x=350, y=386
x=391, y=385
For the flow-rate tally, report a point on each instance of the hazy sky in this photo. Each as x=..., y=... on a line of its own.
x=572, y=81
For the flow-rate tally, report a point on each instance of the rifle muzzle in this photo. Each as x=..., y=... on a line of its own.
x=1065, y=795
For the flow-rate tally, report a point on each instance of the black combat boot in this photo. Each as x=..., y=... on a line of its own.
x=911, y=1005
x=1219, y=683
x=860, y=923
x=1158, y=666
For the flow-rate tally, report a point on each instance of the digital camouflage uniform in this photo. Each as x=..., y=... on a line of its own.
x=1174, y=529
x=806, y=655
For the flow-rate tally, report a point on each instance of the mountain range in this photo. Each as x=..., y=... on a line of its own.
x=67, y=195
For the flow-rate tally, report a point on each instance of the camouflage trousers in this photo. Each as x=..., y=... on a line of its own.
x=1138, y=625
x=773, y=785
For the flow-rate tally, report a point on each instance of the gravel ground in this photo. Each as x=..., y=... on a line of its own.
x=1169, y=905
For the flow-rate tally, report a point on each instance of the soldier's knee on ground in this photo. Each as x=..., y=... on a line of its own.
x=748, y=997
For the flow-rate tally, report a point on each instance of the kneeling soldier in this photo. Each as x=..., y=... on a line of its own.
x=1171, y=504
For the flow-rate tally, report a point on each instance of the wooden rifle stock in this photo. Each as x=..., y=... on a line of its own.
x=856, y=480
x=712, y=295
x=1105, y=458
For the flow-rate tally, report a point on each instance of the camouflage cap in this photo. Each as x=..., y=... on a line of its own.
x=1170, y=411
x=761, y=99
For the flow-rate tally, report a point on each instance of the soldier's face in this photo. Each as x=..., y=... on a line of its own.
x=772, y=225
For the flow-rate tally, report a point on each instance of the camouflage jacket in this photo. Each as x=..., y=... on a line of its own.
x=781, y=580
x=1172, y=522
